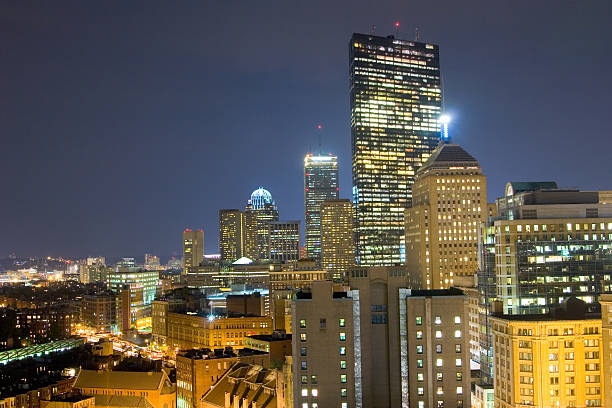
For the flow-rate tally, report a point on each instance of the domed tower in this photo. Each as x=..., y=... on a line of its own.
x=263, y=209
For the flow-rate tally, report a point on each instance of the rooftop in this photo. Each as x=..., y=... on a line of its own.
x=129, y=380
x=208, y=354
x=449, y=155
x=436, y=292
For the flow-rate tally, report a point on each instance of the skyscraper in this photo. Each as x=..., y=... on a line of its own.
x=396, y=101
x=193, y=249
x=263, y=207
x=448, y=206
x=337, y=237
x=320, y=184
x=237, y=234
x=284, y=242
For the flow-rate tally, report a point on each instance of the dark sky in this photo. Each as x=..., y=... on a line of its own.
x=121, y=123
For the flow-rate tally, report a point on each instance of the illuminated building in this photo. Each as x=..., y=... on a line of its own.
x=44, y=324
x=337, y=237
x=395, y=98
x=198, y=370
x=277, y=345
x=550, y=244
x=237, y=234
x=194, y=331
x=152, y=262
x=127, y=388
x=193, y=249
x=284, y=241
x=320, y=184
x=448, y=205
x=606, y=363
x=99, y=312
x=264, y=209
x=294, y=275
x=550, y=360
x=136, y=289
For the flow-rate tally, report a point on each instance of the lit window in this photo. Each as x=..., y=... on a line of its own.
x=342, y=336
x=313, y=379
x=459, y=376
x=419, y=349
x=457, y=348
x=419, y=363
x=458, y=362
x=304, y=365
x=304, y=405
x=343, y=364
x=457, y=334
x=439, y=362
x=341, y=322
x=315, y=392
x=304, y=392
x=438, y=334
x=344, y=405
x=419, y=376
x=459, y=390
x=302, y=336
x=304, y=379
x=438, y=320
x=342, y=351
x=342, y=378
x=419, y=320
x=302, y=323
x=439, y=376
x=343, y=392
x=419, y=334
x=421, y=404
x=420, y=391
x=457, y=319
x=440, y=391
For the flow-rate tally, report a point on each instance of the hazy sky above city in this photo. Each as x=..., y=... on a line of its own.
x=122, y=123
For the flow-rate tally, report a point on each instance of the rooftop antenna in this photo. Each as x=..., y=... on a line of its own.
x=397, y=26
x=319, y=127
x=373, y=29
x=417, y=35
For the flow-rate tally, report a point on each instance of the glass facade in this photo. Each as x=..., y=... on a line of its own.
x=264, y=209
x=396, y=101
x=320, y=184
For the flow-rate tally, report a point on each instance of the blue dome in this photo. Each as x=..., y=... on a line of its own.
x=260, y=197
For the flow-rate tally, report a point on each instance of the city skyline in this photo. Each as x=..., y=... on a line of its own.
x=74, y=181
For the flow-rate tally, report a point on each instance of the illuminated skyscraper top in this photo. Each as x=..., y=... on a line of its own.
x=320, y=184
x=260, y=198
x=264, y=209
x=395, y=125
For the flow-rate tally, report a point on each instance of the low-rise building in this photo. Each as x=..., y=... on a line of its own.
x=277, y=345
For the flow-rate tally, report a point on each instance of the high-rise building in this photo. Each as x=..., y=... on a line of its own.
x=264, y=209
x=284, y=243
x=237, y=234
x=320, y=184
x=550, y=244
x=136, y=288
x=396, y=99
x=337, y=237
x=552, y=360
x=99, y=312
x=152, y=262
x=193, y=249
x=449, y=198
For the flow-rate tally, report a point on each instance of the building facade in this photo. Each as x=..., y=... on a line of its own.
x=449, y=198
x=136, y=288
x=284, y=244
x=337, y=237
x=264, y=210
x=99, y=312
x=193, y=249
x=395, y=99
x=237, y=235
x=320, y=184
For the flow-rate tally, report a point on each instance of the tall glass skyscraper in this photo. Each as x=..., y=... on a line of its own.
x=264, y=209
x=395, y=125
x=320, y=184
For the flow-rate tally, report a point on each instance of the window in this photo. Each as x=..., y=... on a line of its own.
x=302, y=336
x=341, y=322
x=420, y=391
x=323, y=323
x=438, y=320
x=342, y=378
x=419, y=349
x=304, y=365
x=419, y=376
x=459, y=376
x=304, y=392
x=302, y=351
x=439, y=377
x=439, y=362
x=343, y=364
x=342, y=351
x=459, y=390
x=419, y=320
x=440, y=390
x=303, y=323
x=304, y=405
x=343, y=392
x=457, y=334
x=438, y=334
x=419, y=334
x=457, y=319
x=342, y=336
x=458, y=362
x=421, y=404
x=419, y=363
x=344, y=405
x=304, y=379
x=438, y=348
x=314, y=392
x=313, y=379
x=457, y=348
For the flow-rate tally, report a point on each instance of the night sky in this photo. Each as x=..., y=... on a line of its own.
x=122, y=123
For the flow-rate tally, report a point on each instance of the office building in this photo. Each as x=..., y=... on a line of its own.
x=193, y=249
x=395, y=100
x=127, y=388
x=437, y=356
x=264, y=210
x=294, y=275
x=187, y=331
x=320, y=184
x=551, y=360
x=99, y=312
x=277, y=345
x=197, y=370
x=550, y=244
x=337, y=237
x=152, y=263
x=135, y=289
x=606, y=349
x=237, y=235
x=449, y=198
x=284, y=244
